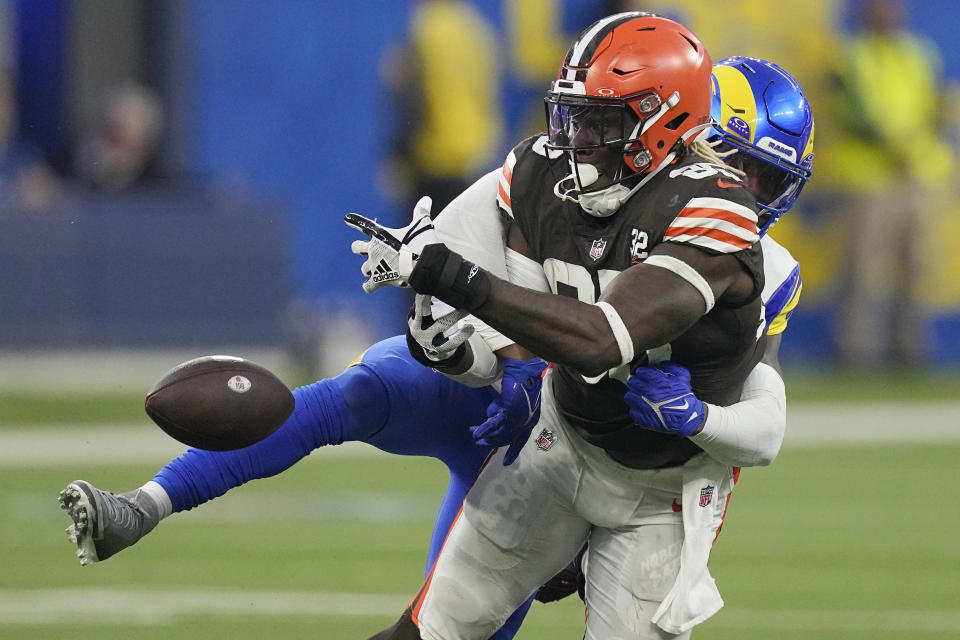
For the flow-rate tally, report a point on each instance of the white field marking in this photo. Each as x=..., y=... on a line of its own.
x=35, y=445
x=874, y=423
x=341, y=506
x=830, y=622
x=149, y=607
x=240, y=506
x=115, y=369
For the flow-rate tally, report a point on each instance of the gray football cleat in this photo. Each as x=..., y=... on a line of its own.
x=105, y=523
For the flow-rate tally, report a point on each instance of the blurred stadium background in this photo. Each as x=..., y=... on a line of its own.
x=260, y=125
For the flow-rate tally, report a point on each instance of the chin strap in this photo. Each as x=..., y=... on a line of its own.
x=601, y=203
x=606, y=202
x=613, y=200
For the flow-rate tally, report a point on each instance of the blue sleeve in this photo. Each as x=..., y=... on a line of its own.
x=198, y=476
x=387, y=400
x=428, y=414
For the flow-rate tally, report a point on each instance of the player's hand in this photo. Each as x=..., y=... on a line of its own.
x=437, y=328
x=570, y=580
x=391, y=254
x=660, y=399
x=511, y=418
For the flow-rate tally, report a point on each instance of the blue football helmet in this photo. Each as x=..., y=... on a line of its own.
x=763, y=125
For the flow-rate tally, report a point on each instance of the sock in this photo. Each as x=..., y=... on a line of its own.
x=153, y=498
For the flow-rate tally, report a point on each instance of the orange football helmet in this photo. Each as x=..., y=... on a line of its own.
x=633, y=91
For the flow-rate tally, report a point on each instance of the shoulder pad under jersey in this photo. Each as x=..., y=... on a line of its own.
x=533, y=145
x=781, y=291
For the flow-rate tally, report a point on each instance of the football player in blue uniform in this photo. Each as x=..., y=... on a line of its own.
x=386, y=399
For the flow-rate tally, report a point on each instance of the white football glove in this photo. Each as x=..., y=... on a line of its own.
x=391, y=253
x=437, y=327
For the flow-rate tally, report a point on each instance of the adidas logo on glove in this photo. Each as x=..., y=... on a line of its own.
x=383, y=273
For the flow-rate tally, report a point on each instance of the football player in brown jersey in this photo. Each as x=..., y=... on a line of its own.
x=652, y=239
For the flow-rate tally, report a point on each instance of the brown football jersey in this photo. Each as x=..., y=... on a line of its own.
x=691, y=202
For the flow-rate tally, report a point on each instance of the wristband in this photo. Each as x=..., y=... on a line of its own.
x=444, y=274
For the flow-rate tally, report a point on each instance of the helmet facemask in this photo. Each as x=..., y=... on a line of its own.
x=775, y=182
x=601, y=139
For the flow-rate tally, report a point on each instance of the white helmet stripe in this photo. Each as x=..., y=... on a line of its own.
x=587, y=44
x=582, y=44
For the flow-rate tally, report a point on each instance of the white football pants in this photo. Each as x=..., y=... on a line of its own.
x=522, y=524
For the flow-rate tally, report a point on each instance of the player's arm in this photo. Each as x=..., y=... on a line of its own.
x=471, y=362
x=771, y=352
x=645, y=306
x=750, y=432
x=488, y=345
x=471, y=221
x=461, y=346
x=746, y=434
x=457, y=344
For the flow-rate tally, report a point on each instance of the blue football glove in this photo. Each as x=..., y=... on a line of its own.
x=660, y=399
x=511, y=417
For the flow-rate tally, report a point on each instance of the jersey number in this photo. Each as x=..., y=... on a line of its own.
x=701, y=170
x=638, y=245
x=574, y=281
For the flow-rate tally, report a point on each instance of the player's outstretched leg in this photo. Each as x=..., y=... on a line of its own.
x=105, y=523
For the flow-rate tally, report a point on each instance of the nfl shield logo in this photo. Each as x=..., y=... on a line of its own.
x=596, y=249
x=706, y=495
x=545, y=440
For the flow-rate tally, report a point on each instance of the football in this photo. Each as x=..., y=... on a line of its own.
x=219, y=403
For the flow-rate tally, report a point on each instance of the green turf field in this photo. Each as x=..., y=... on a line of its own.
x=830, y=542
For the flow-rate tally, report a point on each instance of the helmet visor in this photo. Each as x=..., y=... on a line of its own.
x=593, y=132
x=584, y=126
x=775, y=183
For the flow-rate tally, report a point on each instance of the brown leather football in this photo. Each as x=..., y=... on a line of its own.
x=219, y=403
